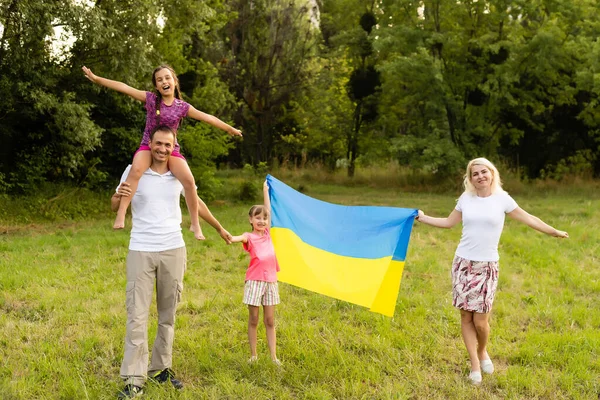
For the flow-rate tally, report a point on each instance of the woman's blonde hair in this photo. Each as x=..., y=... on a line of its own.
x=496, y=184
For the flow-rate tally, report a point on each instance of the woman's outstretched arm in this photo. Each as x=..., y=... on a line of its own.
x=454, y=218
x=534, y=222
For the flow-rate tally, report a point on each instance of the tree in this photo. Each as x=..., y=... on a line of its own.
x=46, y=131
x=547, y=104
x=269, y=66
x=350, y=27
x=487, y=78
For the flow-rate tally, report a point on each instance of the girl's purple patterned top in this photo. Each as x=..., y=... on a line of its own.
x=169, y=115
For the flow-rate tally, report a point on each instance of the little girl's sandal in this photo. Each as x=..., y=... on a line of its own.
x=487, y=366
x=475, y=377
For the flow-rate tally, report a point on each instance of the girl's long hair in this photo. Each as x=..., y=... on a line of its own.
x=496, y=184
x=158, y=95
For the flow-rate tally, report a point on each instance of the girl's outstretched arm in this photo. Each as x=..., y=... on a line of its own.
x=212, y=120
x=267, y=202
x=454, y=218
x=534, y=222
x=115, y=85
x=238, y=239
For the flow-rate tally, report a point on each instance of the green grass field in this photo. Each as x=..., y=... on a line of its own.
x=62, y=314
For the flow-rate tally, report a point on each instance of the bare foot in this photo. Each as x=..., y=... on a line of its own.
x=119, y=223
x=197, y=232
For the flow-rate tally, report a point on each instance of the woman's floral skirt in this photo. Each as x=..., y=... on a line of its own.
x=474, y=284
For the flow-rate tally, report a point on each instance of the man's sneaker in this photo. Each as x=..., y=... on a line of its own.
x=130, y=391
x=168, y=375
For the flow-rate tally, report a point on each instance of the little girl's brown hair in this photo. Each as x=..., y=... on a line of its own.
x=257, y=210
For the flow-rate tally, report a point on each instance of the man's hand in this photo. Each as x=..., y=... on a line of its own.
x=124, y=190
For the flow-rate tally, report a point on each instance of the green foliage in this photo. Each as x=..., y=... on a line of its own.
x=432, y=154
x=492, y=78
x=363, y=83
x=368, y=21
x=116, y=150
x=190, y=42
x=48, y=132
x=429, y=84
x=248, y=169
x=4, y=186
x=54, y=203
x=273, y=45
x=45, y=131
x=324, y=118
x=247, y=191
x=250, y=186
x=261, y=169
x=581, y=164
x=350, y=46
x=201, y=146
x=78, y=134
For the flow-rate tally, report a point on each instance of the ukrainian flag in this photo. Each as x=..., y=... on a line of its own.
x=351, y=253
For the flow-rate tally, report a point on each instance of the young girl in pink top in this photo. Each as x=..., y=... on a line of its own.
x=163, y=107
x=261, y=276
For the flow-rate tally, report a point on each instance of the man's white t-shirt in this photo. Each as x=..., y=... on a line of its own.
x=483, y=220
x=156, y=214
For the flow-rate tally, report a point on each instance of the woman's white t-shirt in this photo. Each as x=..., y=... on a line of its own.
x=483, y=220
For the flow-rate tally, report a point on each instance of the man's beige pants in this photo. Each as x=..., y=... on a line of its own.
x=143, y=269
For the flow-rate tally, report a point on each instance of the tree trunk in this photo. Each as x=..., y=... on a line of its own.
x=452, y=124
x=353, y=142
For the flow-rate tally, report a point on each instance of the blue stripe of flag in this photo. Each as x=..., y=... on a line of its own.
x=353, y=231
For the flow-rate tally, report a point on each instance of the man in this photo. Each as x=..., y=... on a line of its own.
x=156, y=253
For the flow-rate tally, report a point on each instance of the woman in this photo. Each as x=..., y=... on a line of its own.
x=481, y=208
